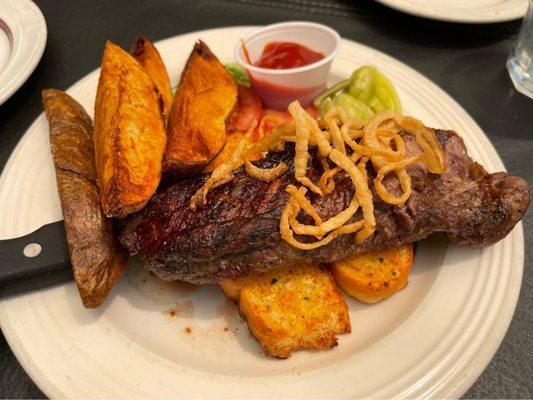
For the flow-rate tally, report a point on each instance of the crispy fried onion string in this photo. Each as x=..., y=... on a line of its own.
x=321, y=228
x=299, y=195
x=223, y=173
x=342, y=146
x=403, y=177
x=291, y=210
x=265, y=174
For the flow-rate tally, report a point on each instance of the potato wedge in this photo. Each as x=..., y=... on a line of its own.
x=196, y=127
x=96, y=257
x=291, y=309
x=147, y=55
x=376, y=275
x=129, y=133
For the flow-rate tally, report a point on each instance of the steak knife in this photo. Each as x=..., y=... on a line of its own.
x=35, y=261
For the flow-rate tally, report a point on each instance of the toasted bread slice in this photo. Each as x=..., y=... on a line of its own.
x=197, y=123
x=376, y=275
x=291, y=309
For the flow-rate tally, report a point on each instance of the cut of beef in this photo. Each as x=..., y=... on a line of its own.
x=238, y=230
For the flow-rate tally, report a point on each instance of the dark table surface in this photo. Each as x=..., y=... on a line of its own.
x=466, y=60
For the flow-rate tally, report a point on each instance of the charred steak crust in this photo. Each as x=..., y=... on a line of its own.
x=238, y=230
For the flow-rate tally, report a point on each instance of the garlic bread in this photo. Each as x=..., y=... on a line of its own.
x=291, y=309
x=375, y=275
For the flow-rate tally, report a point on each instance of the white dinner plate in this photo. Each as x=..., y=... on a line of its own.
x=156, y=339
x=466, y=11
x=22, y=42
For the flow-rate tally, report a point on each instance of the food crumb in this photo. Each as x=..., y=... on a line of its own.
x=188, y=330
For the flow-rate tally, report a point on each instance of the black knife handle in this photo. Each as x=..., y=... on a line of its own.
x=22, y=270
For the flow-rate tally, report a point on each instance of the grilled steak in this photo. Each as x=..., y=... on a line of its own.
x=238, y=230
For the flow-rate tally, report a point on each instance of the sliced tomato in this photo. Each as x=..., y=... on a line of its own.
x=274, y=118
x=248, y=110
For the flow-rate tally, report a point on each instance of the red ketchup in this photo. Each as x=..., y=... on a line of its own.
x=285, y=55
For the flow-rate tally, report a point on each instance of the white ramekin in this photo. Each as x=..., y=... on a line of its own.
x=278, y=87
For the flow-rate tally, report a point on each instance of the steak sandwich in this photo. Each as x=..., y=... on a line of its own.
x=237, y=231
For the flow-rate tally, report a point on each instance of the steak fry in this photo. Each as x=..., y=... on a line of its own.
x=147, y=55
x=129, y=133
x=196, y=128
x=97, y=258
x=238, y=230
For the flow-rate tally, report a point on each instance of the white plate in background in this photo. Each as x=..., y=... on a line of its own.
x=465, y=11
x=432, y=339
x=22, y=43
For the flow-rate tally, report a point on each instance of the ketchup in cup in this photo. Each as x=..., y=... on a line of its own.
x=288, y=61
x=286, y=55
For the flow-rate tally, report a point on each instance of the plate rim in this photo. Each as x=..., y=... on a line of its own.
x=436, y=13
x=9, y=84
x=461, y=385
